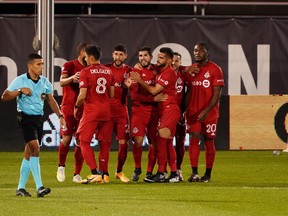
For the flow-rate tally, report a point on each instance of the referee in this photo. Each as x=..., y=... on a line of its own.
x=30, y=90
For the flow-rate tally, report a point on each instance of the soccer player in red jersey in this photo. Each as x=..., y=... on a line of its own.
x=144, y=120
x=169, y=114
x=202, y=112
x=119, y=112
x=69, y=80
x=181, y=125
x=96, y=87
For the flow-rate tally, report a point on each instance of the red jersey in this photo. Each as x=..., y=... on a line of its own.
x=180, y=84
x=119, y=102
x=97, y=79
x=201, y=85
x=167, y=78
x=139, y=95
x=71, y=91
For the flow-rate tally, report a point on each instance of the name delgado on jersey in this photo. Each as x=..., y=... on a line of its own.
x=103, y=71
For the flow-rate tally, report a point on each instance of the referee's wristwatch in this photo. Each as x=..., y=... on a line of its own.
x=20, y=91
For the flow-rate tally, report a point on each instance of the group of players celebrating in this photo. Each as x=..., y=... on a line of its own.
x=167, y=101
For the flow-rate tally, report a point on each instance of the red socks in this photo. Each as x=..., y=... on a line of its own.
x=137, y=154
x=62, y=154
x=194, y=151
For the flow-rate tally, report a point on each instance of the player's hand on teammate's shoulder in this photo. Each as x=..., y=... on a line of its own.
x=76, y=77
x=192, y=69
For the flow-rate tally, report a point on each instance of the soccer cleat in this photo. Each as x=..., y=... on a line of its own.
x=149, y=177
x=77, y=178
x=22, y=192
x=180, y=175
x=205, y=179
x=92, y=179
x=42, y=191
x=174, y=179
x=166, y=175
x=136, y=174
x=105, y=179
x=61, y=174
x=122, y=177
x=285, y=150
x=194, y=178
x=159, y=177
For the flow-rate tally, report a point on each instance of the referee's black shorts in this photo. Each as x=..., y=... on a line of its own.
x=32, y=126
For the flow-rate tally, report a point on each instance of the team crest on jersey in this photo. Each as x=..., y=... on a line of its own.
x=207, y=75
x=81, y=83
x=135, y=130
x=179, y=81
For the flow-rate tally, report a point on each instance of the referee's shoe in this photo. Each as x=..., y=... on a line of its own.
x=42, y=191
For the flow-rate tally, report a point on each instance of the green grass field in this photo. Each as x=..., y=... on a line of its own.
x=243, y=183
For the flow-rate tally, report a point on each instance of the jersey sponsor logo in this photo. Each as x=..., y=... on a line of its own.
x=179, y=85
x=117, y=84
x=150, y=82
x=206, y=83
x=179, y=88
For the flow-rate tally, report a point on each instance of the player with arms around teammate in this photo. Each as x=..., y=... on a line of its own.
x=96, y=87
x=69, y=80
x=145, y=115
x=202, y=112
x=119, y=112
x=169, y=113
x=31, y=89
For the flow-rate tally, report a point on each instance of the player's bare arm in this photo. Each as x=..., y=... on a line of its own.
x=66, y=80
x=216, y=96
x=154, y=90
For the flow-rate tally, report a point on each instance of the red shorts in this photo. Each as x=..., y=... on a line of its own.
x=71, y=124
x=207, y=128
x=169, y=118
x=144, y=122
x=120, y=126
x=87, y=129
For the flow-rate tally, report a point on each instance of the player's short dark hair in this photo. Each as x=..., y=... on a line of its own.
x=203, y=44
x=121, y=48
x=33, y=56
x=168, y=51
x=146, y=48
x=178, y=54
x=81, y=46
x=94, y=51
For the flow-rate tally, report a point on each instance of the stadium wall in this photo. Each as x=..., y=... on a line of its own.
x=251, y=51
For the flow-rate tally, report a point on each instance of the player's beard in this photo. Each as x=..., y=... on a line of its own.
x=118, y=63
x=145, y=64
x=161, y=65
